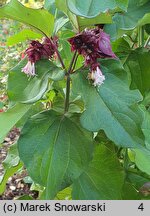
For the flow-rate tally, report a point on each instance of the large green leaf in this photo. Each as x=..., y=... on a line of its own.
x=135, y=12
x=24, y=35
x=54, y=149
x=81, y=22
x=127, y=20
x=29, y=90
x=11, y=117
x=138, y=65
x=94, y=7
x=40, y=19
x=102, y=180
x=111, y=107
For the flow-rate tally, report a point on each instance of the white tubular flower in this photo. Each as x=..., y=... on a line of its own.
x=29, y=69
x=97, y=77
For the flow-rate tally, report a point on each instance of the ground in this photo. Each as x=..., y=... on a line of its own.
x=15, y=186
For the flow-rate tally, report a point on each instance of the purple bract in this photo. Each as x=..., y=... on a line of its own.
x=37, y=51
x=93, y=44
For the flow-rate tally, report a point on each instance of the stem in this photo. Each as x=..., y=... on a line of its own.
x=126, y=160
x=66, y=108
x=141, y=36
x=135, y=41
x=56, y=12
x=67, y=94
x=75, y=61
x=147, y=42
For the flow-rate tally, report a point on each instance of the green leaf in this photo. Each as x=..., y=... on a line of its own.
x=93, y=8
x=129, y=192
x=147, y=28
x=25, y=34
x=137, y=179
x=62, y=6
x=25, y=90
x=102, y=180
x=12, y=158
x=114, y=32
x=25, y=197
x=146, y=128
x=121, y=48
x=127, y=20
x=66, y=52
x=9, y=172
x=138, y=66
x=102, y=18
x=135, y=12
x=134, y=181
x=11, y=165
x=82, y=22
x=111, y=107
x=142, y=160
x=64, y=194
x=49, y=4
x=40, y=19
x=144, y=20
x=59, y=23
x=9, y=118
x=54, y=149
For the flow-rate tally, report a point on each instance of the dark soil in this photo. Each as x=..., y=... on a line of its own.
x=15, y=186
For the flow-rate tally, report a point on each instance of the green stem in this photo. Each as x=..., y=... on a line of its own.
x=75, y=61
x=147, y=42
x=67, y=94
x=68, y=83
x=141, y=36
x=56, y=12
x=126, y=160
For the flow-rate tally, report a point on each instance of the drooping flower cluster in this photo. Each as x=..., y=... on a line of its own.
x=37, y=51
x=93, y=44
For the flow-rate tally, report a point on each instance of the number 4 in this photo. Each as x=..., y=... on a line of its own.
x=141, y=207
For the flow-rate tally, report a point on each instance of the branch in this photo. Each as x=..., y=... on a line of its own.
x=66, y=108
